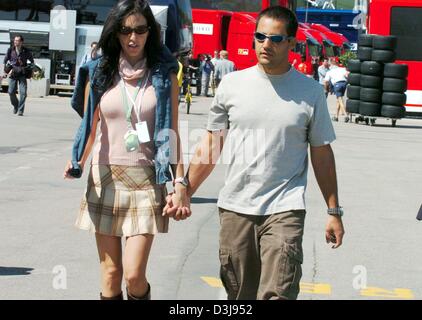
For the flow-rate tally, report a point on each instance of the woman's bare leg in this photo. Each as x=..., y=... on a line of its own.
x=110, y=253
x=135, y=261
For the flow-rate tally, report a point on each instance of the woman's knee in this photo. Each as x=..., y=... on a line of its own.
x=134, y=278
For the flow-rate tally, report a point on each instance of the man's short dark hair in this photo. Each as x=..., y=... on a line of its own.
x=94, y=42
x=283, y=14
x=18, y=36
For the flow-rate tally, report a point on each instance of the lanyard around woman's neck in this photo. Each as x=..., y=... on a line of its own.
x=125, y=94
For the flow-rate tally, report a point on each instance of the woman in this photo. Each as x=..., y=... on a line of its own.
x=133, y=92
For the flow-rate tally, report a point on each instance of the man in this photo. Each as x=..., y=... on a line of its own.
x=16, y=67
x=215, y=60
x=224, y=67
x=194, y=71
x=322, y=72
x=207, y=68
x=337, y=77
x=92, y=54
x=261, y=205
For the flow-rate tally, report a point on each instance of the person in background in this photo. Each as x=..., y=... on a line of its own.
x=315, y=66
x=207, y=69
x=92, y=54
x=15, y=66
x=337, y=77
x=214, y=61
x=194, y=70
x=322, y=72
x=224, y=67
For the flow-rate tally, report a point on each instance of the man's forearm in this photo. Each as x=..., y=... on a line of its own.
x=323, y=162
x=204, y=160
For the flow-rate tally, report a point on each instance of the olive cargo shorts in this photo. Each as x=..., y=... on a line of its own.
x=261, y=256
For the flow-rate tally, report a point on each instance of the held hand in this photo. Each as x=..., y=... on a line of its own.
x=178, y=204
x=169, y=208
x=334, y=231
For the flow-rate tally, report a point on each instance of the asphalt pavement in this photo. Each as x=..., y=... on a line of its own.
x=42, y=256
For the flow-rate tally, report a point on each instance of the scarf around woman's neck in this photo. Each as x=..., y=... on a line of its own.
x=128, y=72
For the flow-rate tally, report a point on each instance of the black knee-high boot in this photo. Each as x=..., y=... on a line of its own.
x=118, y=297
x=146, y=296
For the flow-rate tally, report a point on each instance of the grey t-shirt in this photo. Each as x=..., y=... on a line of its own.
x=223, y=67
x=271, y=122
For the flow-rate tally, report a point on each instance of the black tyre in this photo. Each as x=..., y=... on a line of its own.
x=396, y=112
x=365, y=54
x=370, y=81
x=353, y=65
x=372, y=68
x=383, y=55
x=384, y=42
x=394, y=85
x=352, y=106
x=365, y=40
x=369, y=109
x=354, y=79
x=399, y=71
x=370, y=95
x=353, y=92
x=394, y=98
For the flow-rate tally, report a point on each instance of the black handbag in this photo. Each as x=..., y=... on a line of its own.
x=419, y=216
x=28, y=71
x=7, y=68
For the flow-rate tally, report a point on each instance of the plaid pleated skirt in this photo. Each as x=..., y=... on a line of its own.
x=123, y=201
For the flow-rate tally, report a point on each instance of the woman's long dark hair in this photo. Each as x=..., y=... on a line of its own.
x=109, y=41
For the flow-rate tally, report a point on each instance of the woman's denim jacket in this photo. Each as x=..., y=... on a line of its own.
x=161, y=82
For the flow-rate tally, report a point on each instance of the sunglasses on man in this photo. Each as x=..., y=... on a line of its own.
x=260, y=37
x=138, y=30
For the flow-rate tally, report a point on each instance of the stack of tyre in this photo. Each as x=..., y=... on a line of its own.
x=377, y=85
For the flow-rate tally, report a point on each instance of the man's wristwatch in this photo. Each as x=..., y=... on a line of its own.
x=337, y=211
x=182, y=180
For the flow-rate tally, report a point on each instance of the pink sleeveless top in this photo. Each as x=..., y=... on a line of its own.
x=110, y=146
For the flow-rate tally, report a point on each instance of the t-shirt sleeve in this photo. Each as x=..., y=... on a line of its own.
x=320, y=130
x=218, y=117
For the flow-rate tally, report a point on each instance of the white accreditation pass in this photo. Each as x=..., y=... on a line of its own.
x=143, y=133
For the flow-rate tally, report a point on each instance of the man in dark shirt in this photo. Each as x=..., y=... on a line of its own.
x=16, y=66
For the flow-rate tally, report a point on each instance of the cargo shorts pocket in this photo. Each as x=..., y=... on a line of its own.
x=290, y=271
x=228, y=275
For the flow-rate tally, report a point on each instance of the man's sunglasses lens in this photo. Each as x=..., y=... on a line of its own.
x=137, y=30
x=261, y=37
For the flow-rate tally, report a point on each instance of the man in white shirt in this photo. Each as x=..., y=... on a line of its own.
x=214, y=61
x=337, y=76
x=271, y=122
x=322, y=72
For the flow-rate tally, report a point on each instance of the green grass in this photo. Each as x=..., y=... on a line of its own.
x=340, y=4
